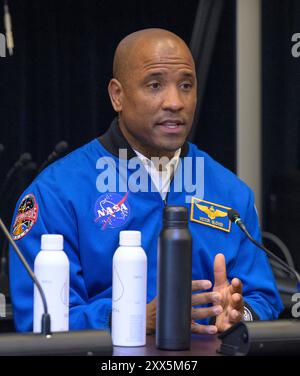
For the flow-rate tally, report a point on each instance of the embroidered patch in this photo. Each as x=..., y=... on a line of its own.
x=26, y=217
x=210, y=214
x=112, y=210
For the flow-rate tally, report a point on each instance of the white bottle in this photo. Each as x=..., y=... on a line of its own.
x=129, y=291
x=51, y=267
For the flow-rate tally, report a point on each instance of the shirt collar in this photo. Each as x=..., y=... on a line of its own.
x=113, y=140
x=172, y=162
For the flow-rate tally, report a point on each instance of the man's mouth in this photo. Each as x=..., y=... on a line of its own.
x=172, y=125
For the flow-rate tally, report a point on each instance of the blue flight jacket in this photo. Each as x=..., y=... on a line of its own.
x=65, y=199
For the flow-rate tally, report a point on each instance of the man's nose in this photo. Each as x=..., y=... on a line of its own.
x=173, y=100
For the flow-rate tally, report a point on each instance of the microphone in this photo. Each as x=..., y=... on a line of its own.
x=45, y=317
x=234, y=217
x=8, y=29
x=26, y=170
x=79, y=342
x=24, y=158
x=59, y=149
x=22, y=161
x=261, y=337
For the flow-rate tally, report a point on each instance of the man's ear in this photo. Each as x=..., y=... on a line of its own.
x=115, y=91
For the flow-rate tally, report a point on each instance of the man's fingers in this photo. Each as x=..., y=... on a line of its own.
x=236, y=286
x=206, y=298
x=203, y=329
x=235, y=316
x=201, y=284
x=220, y=271
x=151, y=316
x=203, y=313
x=237, y=302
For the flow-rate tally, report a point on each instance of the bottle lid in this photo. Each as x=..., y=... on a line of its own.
x=175, y=213
x=130, y=238
x=52, y=242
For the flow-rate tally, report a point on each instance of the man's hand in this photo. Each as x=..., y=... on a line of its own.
x=203, y=313
x=197, y=313
x=151, y=317
x=231, y=296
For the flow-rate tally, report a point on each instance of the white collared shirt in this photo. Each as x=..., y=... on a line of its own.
x=161, y=179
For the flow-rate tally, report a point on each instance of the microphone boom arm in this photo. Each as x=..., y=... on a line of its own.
x=235, y=218
x=46, y=317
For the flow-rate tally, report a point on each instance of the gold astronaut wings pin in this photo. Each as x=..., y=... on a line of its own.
x=210, y=214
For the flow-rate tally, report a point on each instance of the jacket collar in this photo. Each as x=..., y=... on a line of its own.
x=113, y=140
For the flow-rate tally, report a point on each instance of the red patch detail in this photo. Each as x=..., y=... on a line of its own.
x=26, y=217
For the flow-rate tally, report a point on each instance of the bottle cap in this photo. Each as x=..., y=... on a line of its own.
x=52, y=242
x=175, y=214
x=130, y=238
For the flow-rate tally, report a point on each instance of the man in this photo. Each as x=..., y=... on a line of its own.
x=154, y=93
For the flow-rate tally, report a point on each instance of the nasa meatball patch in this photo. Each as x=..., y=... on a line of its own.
x=112, y=210
x=26, y=217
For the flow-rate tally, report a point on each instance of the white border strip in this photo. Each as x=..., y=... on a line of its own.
x=248, y=90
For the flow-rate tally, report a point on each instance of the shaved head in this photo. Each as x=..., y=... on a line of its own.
x=154, y=91
x=133, y=46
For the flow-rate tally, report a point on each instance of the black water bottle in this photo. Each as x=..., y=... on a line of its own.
x=174, y=279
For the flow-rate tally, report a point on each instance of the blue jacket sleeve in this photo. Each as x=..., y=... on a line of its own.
x=55, y=216
x=253, y=268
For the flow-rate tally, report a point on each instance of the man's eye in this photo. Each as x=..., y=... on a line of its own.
x=186, y=85
x=154, y=85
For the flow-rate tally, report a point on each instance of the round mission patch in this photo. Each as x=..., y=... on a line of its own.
x=112, y=210
x=26, y=217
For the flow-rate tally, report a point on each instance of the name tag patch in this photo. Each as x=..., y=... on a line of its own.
x=210, y=214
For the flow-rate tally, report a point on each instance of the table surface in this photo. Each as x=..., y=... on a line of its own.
x=201, y=345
